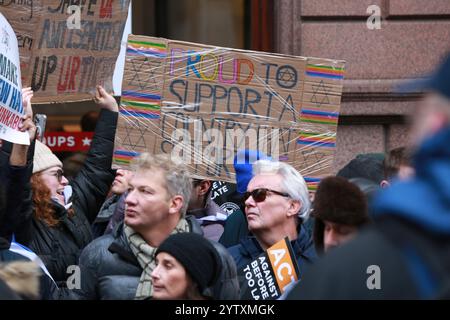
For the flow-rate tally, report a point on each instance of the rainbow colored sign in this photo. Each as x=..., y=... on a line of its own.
x=204, y=103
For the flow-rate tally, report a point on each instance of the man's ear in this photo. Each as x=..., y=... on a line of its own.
x=176, y=203
x=384, y=184
x=294, y=208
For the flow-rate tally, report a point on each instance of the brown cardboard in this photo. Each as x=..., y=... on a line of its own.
x=63, y=64
x=171, y=86
x=23, y=20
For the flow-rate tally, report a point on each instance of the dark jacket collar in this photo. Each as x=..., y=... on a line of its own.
x=108, y=208
x=120, y=245
x=302, y=246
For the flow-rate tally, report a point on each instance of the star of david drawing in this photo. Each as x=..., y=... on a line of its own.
x=140, y=141
x=322, y=90
x=313, y=159
x=144, y=74
x=320, y=160
x=286, y=77
x=142, y=132
x=127, y=140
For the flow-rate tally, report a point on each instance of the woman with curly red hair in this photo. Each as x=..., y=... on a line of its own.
x=57, y=214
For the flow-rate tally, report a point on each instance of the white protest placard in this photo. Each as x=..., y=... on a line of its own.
x=11, y=108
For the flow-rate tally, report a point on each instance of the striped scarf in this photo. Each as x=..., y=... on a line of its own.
x=145, y=255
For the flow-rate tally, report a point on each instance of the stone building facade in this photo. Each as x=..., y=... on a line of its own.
x=413, y=37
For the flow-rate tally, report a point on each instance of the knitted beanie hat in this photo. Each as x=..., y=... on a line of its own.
x=197, y=255
x=44, y=158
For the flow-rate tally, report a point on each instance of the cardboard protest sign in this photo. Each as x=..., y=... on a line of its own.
x=67, y=47
x=11, y=108
x=202, y=104
x=266, y=277
x=22, y=17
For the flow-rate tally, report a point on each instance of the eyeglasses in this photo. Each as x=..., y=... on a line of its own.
x=58, y=174
x=259, y=195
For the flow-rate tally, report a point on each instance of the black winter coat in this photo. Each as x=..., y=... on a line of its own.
x=377, y=265
x=109, y=269
x=15, y=186
x=59, y=247
x=14, y=183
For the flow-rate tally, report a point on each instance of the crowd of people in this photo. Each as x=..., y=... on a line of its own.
x=153, y=232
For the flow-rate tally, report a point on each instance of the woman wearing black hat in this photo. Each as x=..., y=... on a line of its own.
x=187, y=266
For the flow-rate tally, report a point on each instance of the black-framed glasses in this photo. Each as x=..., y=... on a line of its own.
x=260, y=194
x=58, y=174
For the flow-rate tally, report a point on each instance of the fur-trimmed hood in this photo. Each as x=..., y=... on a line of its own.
x=23, y=277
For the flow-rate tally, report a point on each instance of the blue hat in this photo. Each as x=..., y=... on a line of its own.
x=438, y=82
x=243, y=167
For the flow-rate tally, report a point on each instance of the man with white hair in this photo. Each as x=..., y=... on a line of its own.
x=276, y=204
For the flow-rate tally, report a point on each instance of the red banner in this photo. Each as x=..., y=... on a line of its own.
x=68, y=141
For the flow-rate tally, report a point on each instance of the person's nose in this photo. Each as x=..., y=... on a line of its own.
x=64, y=181
x=250, y=202
x=155, y=273
x=130, y=198
x=331, y=239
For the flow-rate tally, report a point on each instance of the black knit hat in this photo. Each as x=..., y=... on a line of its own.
x=197, y=255
x=340, y=201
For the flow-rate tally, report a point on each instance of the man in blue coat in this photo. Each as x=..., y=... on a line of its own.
x=404, y=254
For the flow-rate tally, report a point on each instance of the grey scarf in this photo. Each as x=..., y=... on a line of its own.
x=145, y=255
